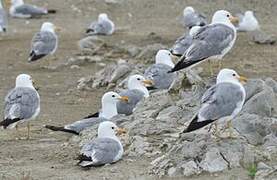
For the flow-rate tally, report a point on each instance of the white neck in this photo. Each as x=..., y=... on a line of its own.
x=48, y=29
x=19, y=84
x=18, y=3
x=227, y=23
x=139, y=87
x=109, y=110
x=1, y=6
x=166, y=61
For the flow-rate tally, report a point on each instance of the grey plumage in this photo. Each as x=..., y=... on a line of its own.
x=3, y=20
x=99, y=152
x=101, y=28
x=219, y=101
x=194, y=19
x=160, y=76
x=29, y=11
x=182, y=44
x=43, y=43
x=21, y=103
x=134, y=96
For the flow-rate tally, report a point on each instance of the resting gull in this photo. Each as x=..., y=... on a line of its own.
x=210, y=42
x=192, y=18
x=44, y=42
x=21, y=104
x=248, y=22
x=109, y=110
x=105, y=149
x=223, y=101
x=19, y=9
x=104, y=26
x=3, y=19
x=183, y=43
x=136, y=92
x=158, y=72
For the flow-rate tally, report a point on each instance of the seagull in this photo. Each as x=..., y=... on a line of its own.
x=136, y=92
x=3, y=19
x=158, y=72
x=224, y=101
x=109, y=110
x=183, y=43
x=212, y=41
x=20, y=10
x=105, y=149
x=21, y=104
x=248, y=22
x=192, y=18
x=104, y=26
x=44, y=42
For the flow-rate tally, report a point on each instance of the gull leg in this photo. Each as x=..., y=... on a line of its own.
x=28, y=128
x=230, y=129
x=211, y=68
x=219, y=65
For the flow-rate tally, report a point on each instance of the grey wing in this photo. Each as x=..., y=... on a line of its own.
x=103, y=28
x=21, y=103
x=27, y=9
x=101, y=151
x=3, y=19
x=159, y=74
x=219, y=101
x=44, y=43
x=80, y=125
x=209, y=41
x=127, y=107
x=181, y=44
x=202, y=19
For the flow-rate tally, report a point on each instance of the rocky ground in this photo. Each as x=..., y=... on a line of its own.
x=73, y=80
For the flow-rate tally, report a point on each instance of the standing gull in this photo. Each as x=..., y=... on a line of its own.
x=109, y=110
x=105, y=149
x=192, y=18
x=248, y=22
x=210, y=42
x=183, y=43
x=3, y=19
x=44, y=42
x=158, y=72
x=20, y=10
x=136, y=92
x=224, y=100
x=104, y=26
x=21, y=104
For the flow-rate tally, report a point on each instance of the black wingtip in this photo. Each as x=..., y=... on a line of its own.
x=60, y=128
x=34, y=57
x=194, y=124
x=52, y=11
x=92, y=115
x=89, y=31
x=151, y=88
x=6, y=122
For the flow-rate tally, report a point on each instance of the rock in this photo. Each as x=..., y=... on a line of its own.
x=270, y=142
x=149, y=52
x=190, y=168
x=74, y=67
x=138, y=146
x=248, y=158
x=261, y=37
x=213, y=161
x=252, y=87
x=172, y=172
x=271, y=83
x=85, y=83
x=90, y=43
x=120, y=71
x=265, y=172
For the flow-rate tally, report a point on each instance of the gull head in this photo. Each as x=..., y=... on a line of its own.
x=188, y=10
x=109, y=129
x=229, y=75
x=222, y=16
x=24, y=80
x=16, y=2
x=102, y=17
x=48, y=26
x=112, y=98
x=164, y=57
x=139, y=82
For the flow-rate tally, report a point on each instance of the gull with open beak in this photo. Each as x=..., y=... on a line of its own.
x=44, y=42
x=105, y=149
x=21, y=104
x=158, y=72
x=213, y=41
x=109, y=110
x=223, y=101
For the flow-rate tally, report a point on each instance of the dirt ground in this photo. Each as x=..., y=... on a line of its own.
x=48, y=155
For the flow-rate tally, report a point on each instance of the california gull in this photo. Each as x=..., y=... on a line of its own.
x=104, y=26
x=192, y=18
x=3, y=19
x=248, y=22
x=109, y=110
x=158, y=72
x=105, y=149
x=210, y=42
x=21, y=104
x=223, y=101
x=44, y=42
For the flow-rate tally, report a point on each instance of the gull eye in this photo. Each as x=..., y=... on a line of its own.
x=138, y=79
x=113, y=95
x=228, y=15
x=112, y=127
x=234, y=74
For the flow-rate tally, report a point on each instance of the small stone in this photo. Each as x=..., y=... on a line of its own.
x=74, y=67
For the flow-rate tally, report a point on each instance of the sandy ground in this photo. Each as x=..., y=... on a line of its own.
x=49, y=155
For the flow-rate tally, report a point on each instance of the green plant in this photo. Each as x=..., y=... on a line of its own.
x=252, y=170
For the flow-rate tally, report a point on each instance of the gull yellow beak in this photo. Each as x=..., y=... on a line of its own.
x=8, y=3
x=234, y=20
x=120, y=131
x=34, y=84
x=58, y=29
x=124, y=98
x=148, y=82
x=242, y=79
